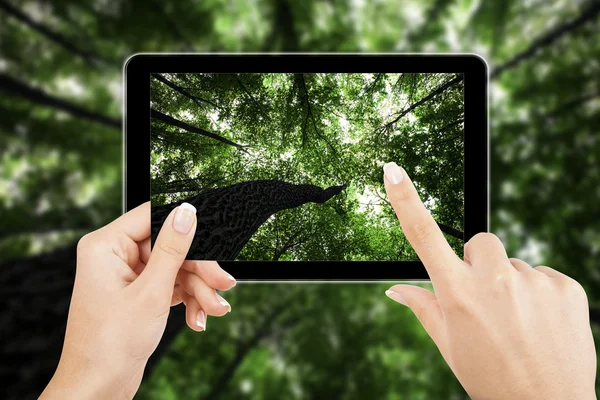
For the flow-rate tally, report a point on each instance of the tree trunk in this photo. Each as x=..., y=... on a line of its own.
x=229, y=216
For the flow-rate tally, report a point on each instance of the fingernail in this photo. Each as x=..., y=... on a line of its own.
x=393, y=173
x=231, y=278
x=395, y=296
x=201, y=320
x=184, y=218
x=223, y=301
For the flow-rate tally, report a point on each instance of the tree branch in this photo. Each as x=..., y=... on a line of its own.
x=372, y=85
x=548, y=38
x=180, y=124
x=424, y=100
x=182, y=91
x=38, y=96
x=56, y=37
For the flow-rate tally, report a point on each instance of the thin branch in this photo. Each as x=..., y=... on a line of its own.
x=38, y=96
x=431, y=95
x=548, y=38
x=400, y=79
x=180, y=124
x=182, y=91
x=371, y=86
x=88, y=57
x=450, y=125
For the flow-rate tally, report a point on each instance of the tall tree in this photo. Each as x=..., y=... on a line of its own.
x=229, y=216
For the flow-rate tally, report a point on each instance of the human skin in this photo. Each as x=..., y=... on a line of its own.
x=506, y=329
x=121, y=300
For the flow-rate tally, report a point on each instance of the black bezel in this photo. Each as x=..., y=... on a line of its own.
x=136, y=116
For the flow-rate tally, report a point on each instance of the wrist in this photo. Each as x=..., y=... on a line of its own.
x=82, y=379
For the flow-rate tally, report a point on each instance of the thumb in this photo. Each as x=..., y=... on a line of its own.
x=426, y=308
x=169, y=252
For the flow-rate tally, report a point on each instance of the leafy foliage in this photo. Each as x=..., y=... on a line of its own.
x=60, y=177
x=321, y=129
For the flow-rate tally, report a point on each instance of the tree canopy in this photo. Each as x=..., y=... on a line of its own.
x=215, y=130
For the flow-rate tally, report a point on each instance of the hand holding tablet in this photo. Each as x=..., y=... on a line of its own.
x=506, y=329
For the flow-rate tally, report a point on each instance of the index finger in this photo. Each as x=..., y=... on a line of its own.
x=418, y=225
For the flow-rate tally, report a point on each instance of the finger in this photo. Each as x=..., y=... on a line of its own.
x=551, y=272
x=195, y=316
x=211, y=273
x=418, y=225
x=426, y=308
x=520, y=265
x=135, y=223
x=485, y=248
x=169, y=252
x=207, y=297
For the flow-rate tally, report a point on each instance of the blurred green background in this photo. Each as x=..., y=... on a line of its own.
x=60, y=177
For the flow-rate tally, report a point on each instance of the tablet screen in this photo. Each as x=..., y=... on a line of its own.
x=289, y=166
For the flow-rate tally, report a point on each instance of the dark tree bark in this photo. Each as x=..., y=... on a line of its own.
x=19, y=88
x=229, y=216
x=39, y=288
x=180, y=124
x=548, y=38
x=424, y=100
x=56, y=37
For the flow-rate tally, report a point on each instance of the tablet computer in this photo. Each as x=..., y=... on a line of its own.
x=282, y=156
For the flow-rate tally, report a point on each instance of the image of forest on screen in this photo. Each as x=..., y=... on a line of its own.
x=289, y=166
